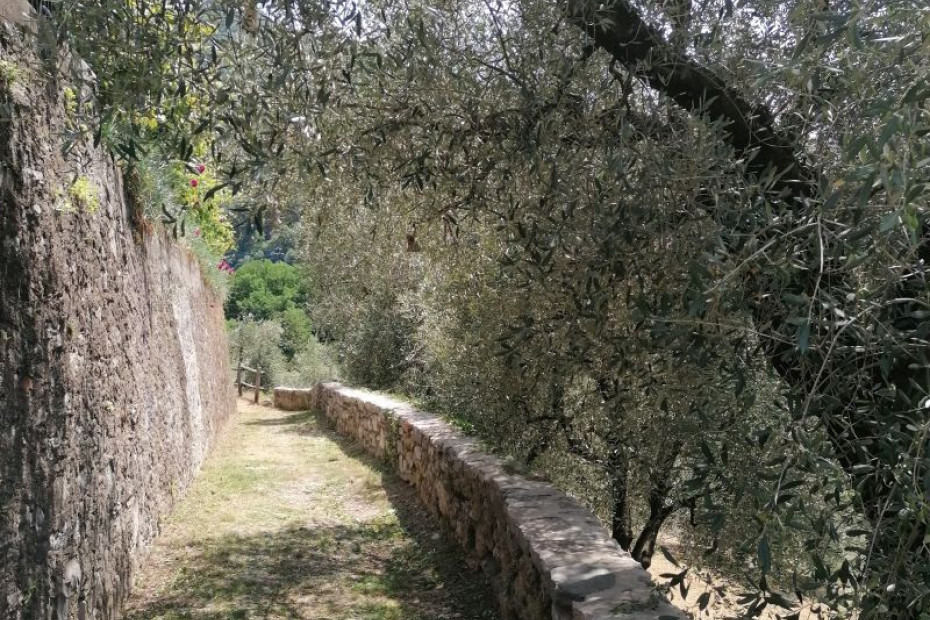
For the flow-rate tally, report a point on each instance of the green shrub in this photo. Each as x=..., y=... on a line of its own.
x=263, y=290
x=296, y=332
x=378, y=351
x=259, y=344
x=314, y=363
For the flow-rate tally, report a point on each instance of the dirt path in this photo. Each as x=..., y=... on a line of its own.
x=288, y=521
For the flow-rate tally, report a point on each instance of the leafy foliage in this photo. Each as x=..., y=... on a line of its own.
x=680, y=245
x=266, y=309
x=265, y=290
x=261, y=344
x=295, y=331
x=673, y=299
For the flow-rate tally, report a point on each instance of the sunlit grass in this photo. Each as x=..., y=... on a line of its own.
x=286, y=521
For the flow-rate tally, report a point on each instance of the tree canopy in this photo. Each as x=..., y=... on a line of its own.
x=679, y=246
x=262, y=289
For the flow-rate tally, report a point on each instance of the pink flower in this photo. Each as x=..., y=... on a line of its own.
x=200, y=168
x=197, y=233
x=194, y=182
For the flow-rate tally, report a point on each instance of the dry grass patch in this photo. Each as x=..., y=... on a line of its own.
x=288, y=521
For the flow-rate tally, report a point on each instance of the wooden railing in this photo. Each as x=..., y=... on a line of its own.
x=256, y=373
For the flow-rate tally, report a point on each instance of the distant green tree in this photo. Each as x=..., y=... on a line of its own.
x=265, y=290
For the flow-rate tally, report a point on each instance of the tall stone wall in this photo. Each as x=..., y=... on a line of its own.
x=113, y=364
x=548, y=556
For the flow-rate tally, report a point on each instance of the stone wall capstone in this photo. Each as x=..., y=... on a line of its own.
x=114, y=378
x=547, y=555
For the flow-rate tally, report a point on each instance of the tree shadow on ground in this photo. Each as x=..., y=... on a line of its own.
x=384, y=569
x=299, y=418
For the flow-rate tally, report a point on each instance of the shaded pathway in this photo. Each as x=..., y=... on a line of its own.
x=287, y=520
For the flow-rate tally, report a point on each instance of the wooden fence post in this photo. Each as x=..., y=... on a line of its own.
x=258, y=382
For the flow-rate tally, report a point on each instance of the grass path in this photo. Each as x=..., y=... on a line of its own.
x=287, y=520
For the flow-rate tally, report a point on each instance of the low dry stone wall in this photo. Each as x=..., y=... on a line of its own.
x=548, y=556
x=114, y=375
